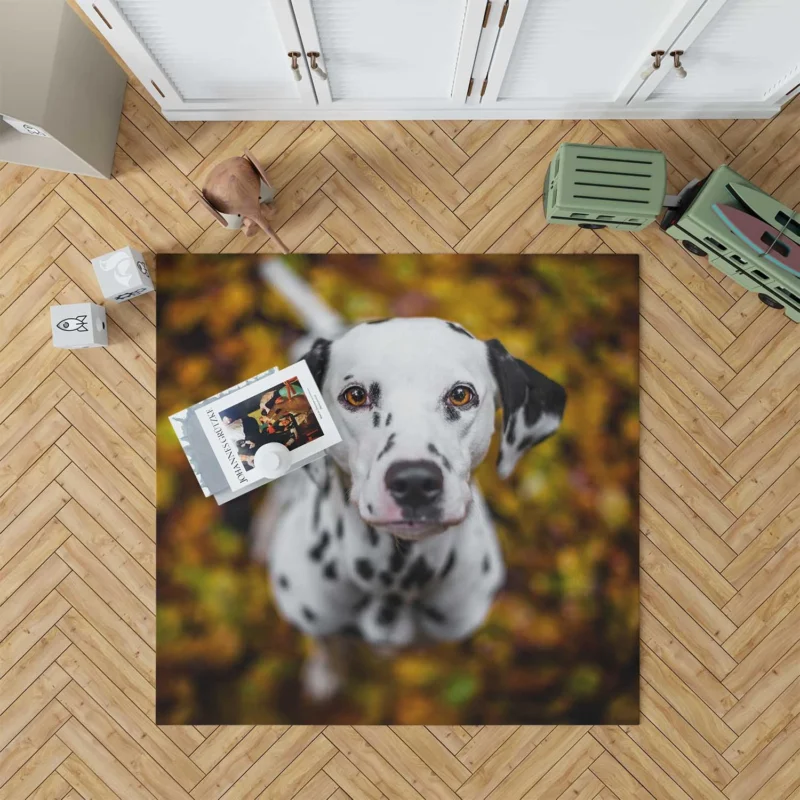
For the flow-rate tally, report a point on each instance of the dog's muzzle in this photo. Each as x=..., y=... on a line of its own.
x=416, y=487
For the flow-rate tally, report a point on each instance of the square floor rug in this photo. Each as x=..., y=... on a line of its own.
x=467, y=554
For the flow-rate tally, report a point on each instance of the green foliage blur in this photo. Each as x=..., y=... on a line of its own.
x=561, y=644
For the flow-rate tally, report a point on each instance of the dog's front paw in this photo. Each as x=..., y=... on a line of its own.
x=321, y=681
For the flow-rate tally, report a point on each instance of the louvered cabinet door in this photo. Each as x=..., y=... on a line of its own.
x=208, y=54
x=574, y=55
x=747, y=51
x=386, y=54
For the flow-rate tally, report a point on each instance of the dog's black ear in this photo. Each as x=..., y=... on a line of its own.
x=533, y=405
x=317, y=359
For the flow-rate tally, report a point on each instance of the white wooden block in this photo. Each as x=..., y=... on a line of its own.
x=122, y=274
x=78, y=325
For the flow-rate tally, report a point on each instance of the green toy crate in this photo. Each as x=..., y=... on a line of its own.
x=598, y=187
x=702, y=232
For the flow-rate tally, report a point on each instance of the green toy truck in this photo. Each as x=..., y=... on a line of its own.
x=702, y=232
x=598, y=187
x=605, y=187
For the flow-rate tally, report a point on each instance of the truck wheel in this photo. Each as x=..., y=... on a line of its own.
x=693, y=248
x=592, y=226
x=769, y=301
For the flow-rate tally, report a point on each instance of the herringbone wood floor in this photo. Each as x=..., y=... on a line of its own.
x=720, y=471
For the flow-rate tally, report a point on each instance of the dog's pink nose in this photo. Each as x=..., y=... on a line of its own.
x=414, y=484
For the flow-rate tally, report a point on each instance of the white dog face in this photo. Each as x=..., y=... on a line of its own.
x=414, y=401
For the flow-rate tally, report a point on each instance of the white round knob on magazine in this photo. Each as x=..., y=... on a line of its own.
x=273, y=460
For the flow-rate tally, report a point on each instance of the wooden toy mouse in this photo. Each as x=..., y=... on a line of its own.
x=234, y=194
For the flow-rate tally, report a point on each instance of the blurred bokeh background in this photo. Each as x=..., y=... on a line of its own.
x=561, y=644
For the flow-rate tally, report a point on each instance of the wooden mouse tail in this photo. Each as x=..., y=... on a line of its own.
x=268, y=229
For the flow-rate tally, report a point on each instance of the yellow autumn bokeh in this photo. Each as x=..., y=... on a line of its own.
x=560, y=644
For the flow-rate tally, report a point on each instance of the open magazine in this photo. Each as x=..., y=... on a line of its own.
x=223, y=434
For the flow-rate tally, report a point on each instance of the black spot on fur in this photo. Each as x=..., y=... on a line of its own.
x=309, y=614
x=376, y=419
x=317, y=360
x=365, y=569
x=362, y=603
x=449, y=564
x=330, y=571
x=396, y=561
x=377, y=321
x=386, y=578
x=372, y=535
x=387, y=447
x=419, y=573
x=340, y=528
x=458, y=329
x=283, y=582
x=403, y=545
x=370, y=508
x=347, y=377
x=388, y=611
x=434, y=614
x=375, y=394
x=511, y=430
x=322, y=492
x=445, y=462
x=317, y=510
x=526, y=442
x=316, y=552
x=346, y=492
x=522, y=388
x=486, y=564
x=325, y=489
x=388, y=419
x=452, y=414
x=350, y=630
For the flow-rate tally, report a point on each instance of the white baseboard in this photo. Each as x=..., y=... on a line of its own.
x=366, y=112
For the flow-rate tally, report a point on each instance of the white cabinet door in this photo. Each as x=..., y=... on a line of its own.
x=578, y=54
x=747, y=51
x=388, y=54
x=206, y=53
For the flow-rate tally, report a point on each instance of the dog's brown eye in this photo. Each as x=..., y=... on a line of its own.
x=355, y=396
x=460, y=395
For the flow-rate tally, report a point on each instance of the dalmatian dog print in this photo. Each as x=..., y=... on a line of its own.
x=388, y=538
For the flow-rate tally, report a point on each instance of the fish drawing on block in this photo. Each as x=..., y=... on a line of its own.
x=77, y=324
x=763, y=238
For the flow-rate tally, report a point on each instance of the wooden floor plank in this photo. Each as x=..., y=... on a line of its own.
x=159, y=131
x=687, y=741
x=31, y=266
x=84, y=782
x=31, y=230
x=384, y=198
x=79, y=450
x=108, y=515
x=403, y=181
x=91, y=606
x=437, y=143
x=426, y=168
x=780, y=531
x=32, y=192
